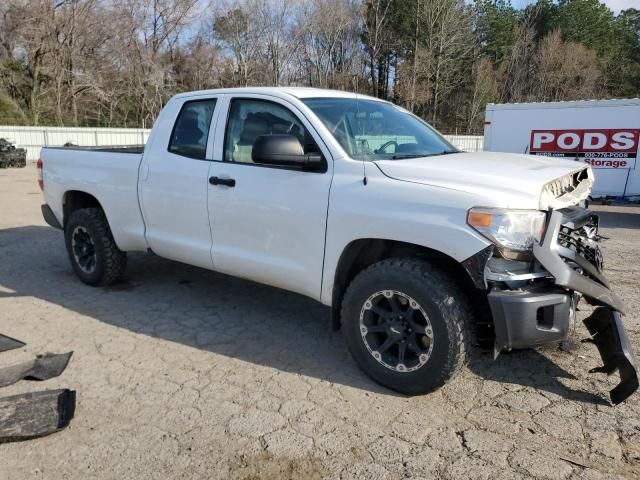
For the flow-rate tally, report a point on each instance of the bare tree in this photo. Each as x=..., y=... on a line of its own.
x=149, y=33
x=450, y=42
x=377, y=35
x=240, y=33
x=281, y=37
x=519, y=69
x=485, y=90
x=116, y=62
x=434, y=63
x=565, y=71
x=329, y=54
x=35, y=32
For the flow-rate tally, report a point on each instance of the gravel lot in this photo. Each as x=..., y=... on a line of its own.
x=185, y=373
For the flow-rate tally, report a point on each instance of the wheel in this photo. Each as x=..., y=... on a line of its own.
x=405, y=325
x=93, y=253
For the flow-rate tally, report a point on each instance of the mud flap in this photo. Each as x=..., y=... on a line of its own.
x=608, y=334
x=35, y=414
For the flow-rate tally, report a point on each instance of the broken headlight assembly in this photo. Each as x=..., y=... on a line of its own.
x=512, y=231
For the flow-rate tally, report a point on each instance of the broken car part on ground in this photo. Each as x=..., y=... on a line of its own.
x=8, y=343
x=43, y=367
x=34, y=414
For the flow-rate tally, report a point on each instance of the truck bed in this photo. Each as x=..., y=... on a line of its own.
x=108, y=173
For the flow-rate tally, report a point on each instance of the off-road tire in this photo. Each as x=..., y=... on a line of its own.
x=446, y=308
x=110, y=261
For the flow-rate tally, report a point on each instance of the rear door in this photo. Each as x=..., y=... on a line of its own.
x=268, y=222
x=174, y=182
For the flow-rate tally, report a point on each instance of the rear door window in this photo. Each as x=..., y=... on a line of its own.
x=191, y=130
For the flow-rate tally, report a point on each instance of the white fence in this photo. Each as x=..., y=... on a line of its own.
x=34, y=138
x=468, y=143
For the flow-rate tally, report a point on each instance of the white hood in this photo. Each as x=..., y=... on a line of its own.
x=508, y=180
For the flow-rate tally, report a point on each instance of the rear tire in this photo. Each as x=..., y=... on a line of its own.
x=93, y=253
x=405, y=325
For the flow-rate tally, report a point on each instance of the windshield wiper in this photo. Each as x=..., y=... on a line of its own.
x=413, y=155
x=421, y=155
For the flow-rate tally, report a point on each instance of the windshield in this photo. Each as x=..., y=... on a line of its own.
x=373, y=130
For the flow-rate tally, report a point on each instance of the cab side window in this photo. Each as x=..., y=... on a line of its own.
x=191, y=130
x=250, y=118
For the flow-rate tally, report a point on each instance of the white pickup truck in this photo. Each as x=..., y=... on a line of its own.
x=417, y=247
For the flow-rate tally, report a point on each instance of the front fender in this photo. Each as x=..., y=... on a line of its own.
x=394, y=210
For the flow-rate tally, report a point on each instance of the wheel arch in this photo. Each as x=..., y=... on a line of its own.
x=363, y=252
x=73, y=200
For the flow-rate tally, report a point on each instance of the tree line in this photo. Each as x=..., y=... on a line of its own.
x=116, y=62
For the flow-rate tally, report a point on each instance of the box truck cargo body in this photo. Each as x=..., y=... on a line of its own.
x=602, y=133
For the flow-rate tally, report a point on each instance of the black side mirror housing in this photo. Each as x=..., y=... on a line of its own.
x=284, y=150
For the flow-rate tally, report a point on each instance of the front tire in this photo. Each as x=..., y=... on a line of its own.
x=93, y=253
x=405, y=325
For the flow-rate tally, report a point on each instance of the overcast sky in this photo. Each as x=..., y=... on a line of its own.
x=615, y=5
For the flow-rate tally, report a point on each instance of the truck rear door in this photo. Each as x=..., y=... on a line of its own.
x=174, y=181
x=268, y=222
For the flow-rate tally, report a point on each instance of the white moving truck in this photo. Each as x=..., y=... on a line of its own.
x=602, y=133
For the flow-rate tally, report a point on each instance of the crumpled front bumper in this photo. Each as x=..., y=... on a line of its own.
x=535, y=315
x=607, y=333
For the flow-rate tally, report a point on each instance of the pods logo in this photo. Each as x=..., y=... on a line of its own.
x=600, y=148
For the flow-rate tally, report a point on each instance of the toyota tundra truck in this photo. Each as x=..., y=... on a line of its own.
x=419, y=249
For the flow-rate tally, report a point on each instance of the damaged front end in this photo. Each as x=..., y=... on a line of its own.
x=533, y=302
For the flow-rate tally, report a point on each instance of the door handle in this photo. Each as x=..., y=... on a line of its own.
x=229, y=182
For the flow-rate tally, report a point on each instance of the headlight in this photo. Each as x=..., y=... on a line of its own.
x=509, y=229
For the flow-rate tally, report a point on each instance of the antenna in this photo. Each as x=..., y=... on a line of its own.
x=364, y=168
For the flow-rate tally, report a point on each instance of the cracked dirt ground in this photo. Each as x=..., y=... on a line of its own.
x=184, y=373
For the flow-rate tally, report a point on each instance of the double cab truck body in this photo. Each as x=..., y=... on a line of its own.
x=416, y=246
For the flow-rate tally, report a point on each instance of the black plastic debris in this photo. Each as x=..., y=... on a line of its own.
x=8, y=343
x=608, y=334
x=43, y=367
x=35, y=414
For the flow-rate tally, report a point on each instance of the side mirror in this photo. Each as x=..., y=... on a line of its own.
x=284, y=150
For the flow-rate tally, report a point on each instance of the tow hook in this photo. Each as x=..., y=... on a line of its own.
x=609, y=336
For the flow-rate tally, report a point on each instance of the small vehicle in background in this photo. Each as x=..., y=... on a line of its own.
x=10, y=156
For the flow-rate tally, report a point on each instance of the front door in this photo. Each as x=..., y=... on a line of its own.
x=174, y=183
x=268, y=222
